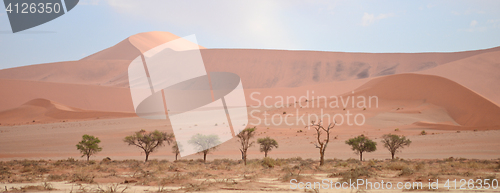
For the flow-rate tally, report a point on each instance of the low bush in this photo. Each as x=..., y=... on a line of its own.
x=83, y=177
x=406, y=172
x=269, y=162
x=353, y=174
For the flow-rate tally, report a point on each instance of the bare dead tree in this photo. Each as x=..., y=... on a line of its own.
x=322, y=142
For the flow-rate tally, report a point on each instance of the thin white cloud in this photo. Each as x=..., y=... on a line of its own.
x=475, y=26
x=493, y=21
x=473, y=23
x=369, y=19
x=468, y=12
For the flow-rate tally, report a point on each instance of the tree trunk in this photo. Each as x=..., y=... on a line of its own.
x=265, y=154
x=204, y=157
x=147, y=156
x=244, y=156
x=360, y=156
x=176, y=156
x=322, y=157
x=392, y=155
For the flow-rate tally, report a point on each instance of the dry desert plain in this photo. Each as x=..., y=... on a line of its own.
x=454, y=97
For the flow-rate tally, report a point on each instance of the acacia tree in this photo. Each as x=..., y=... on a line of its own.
x=176, y=149
x=362, y=144
x=244, y=139
x=395, y=142
x=322, y=142
x=267, y=144
x=204, y=143
x=149, y=142
x=89, y=146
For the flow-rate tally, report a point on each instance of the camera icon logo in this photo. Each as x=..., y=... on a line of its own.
x=170, y=82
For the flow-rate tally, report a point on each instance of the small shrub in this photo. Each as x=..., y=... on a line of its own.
x=397, y=129
x=295, y=159
x=113, y=188
x=26, y=170
x=420, y=166
x=353, y=161
x=55, y=177
x=353, y=174
x=42, y=170
x=468, y=174
x=268, y=162
x=83, y=177
x=4, y=171
x=30, y=188
x=423, y=132
x=177, y=178
x=341, y=164
x=406, y=172
x=397, y=166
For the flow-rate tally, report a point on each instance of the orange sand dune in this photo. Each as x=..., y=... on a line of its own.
x=45, y=111
x=283, y=68
x=98, y=72
x=406, y=101
x=257, y=68
x=89, y=97
x=466, y=107
x=133, y=46
x=480, y=73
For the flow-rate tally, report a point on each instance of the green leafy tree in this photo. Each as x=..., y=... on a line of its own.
x=89, y=146
x=395, y=142
x=244, y=139
x=149, y=141
x=177, y=149
x=267, y=144
x=362, y=144
x=204, y=143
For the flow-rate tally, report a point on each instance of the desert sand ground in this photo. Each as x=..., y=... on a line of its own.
x=58, y=140
x=277, y=175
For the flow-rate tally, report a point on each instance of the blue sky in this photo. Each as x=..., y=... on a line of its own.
x=324, y=25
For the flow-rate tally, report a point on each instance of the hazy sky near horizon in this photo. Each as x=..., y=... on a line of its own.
x=323, y=25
